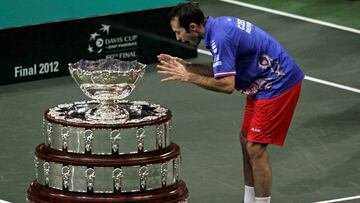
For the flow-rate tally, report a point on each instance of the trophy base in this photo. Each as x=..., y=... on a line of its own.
x=177, y=193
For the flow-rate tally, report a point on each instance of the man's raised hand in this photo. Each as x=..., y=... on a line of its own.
x=173, y=69
x=168, y=58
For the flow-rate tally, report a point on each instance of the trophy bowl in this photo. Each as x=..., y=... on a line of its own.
x=107, y=80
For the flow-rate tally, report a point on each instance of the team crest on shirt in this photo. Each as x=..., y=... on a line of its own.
x=258, y=85
x=269, y=65
x=266, y=63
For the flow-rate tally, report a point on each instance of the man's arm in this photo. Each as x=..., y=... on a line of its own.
x=224, y=84
x=200, y=69
x=197, y=74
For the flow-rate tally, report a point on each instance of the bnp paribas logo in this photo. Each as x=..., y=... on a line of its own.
x=97, y=39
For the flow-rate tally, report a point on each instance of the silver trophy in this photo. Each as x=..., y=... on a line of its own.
x=107, y=81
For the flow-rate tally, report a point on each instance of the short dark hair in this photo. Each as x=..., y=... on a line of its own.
x=187, y=13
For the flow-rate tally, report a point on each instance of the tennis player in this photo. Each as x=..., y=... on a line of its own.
x=246, y=59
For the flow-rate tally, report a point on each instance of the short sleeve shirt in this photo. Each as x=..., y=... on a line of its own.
x=261, y=66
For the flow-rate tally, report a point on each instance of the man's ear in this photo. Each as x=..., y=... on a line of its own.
x=193, y=27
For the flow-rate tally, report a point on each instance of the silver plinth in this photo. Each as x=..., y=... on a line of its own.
x=102, y=141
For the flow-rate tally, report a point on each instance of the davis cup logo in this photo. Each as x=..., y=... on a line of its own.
x=122, y=45
x=96, y=41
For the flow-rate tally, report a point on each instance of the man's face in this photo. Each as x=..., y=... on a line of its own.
x=191, y=37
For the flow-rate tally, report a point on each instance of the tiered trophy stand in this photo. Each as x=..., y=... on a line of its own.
x=107, y=150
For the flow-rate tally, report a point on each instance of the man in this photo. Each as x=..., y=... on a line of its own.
x=247, y=59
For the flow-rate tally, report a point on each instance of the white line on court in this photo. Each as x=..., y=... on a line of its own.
x=3, y=201
x=324, y=82
x=311, y=20
x=340, y=200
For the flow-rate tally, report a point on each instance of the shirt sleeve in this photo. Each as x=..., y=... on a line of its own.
x=224, y=56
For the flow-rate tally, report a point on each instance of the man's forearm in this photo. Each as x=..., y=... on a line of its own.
x=200, y=69
x=224, y=85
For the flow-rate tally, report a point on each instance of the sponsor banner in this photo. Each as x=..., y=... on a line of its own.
x=44, y=51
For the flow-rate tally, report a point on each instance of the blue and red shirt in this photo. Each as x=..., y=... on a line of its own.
x=261, y=66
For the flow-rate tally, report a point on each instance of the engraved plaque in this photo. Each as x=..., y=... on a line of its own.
x=131, y=180
x=56, y=139
x=76, y=142
x=101, y=142
x=78, y=181
x=154, y=177
x=150, y=138
x=55, y=178
x=41, y=173
x=104, y=182
x=128, y=141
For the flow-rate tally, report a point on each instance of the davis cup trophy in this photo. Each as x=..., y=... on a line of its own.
x=107, y=150
x=107, y=81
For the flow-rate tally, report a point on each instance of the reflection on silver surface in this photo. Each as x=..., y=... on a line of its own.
x=76, y=141
x=78, y=181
